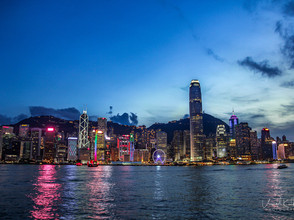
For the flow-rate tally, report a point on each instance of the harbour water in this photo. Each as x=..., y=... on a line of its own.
x=146, y=192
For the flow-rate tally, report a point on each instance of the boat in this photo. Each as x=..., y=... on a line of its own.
x=282, y=166
x=92, y=163
x=79, y=164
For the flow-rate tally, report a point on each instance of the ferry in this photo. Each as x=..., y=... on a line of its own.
x=282, y=166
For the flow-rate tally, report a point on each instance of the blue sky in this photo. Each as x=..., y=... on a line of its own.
x=139, y=56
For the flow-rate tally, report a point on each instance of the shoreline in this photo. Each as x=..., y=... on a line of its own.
x=199, y=164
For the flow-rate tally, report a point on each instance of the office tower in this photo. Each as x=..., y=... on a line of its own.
x=50, y=145
x=99, y=151
x=25, y=150
x=274, y=149
x=221, y=141
x=196, y=121
x=233, y=122
x=36, y=153
x=7, y=137
x=266, y=144
x=254, y=145
x=23, y=130
x=210, y=150
x=7, y=130
x=102, y=125
x=281, y=152
x=187, y=149
x=83, y=131
x=242, y=131
x=83, y=142
x=123, y=145
x=132, y=147
x=178, y=145
x=161, y=140
x=72, y=148
x=10, y=147
x=61, y=153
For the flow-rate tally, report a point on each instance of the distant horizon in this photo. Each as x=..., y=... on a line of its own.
x=108, y=119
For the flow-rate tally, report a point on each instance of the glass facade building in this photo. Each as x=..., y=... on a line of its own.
x=196, y=121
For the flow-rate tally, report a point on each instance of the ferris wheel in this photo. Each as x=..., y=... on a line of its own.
x=159, y=156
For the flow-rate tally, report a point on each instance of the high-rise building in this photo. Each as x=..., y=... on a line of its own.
x=274, y=149
x=233, y=122
x=254, y=145
x=83, y=130
x=187, y=149
x=99, y=152
x=281, y=152
x=161, y=140
x=50, y=145
x=266, y=144
x=178, y=145
x=23, y=130
x=7, y=130
x=35, y=152
x=124, y=147
x=72, y=149
x=221, y=141
x=196, y=122
x=102, y=125
x=83, y=142
x=243, y=139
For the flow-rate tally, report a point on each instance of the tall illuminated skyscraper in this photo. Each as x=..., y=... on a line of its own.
x=83, y=141
x=196, y=121
x=233, y=122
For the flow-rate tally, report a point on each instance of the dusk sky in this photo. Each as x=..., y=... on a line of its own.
x=139, y=56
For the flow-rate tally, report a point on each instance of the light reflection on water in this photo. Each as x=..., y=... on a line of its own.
x=100, y=201
x=46, y=194
x=155, y=192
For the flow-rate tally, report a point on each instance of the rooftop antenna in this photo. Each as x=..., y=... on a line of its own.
x=85, y=109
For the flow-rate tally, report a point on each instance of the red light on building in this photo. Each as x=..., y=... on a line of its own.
x=50, y=129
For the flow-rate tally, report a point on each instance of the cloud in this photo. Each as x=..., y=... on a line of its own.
x=288, y=109
x=244, y=99
x=262, y=67
x=257, y=116
x=211, y=53
x=125, y=119
x=289, y=8
x=134, y=118
x=66, y=113
x=5, y=120
x=286, y=33
x=289, y=84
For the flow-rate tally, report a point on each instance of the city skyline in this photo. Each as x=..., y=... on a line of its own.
x=140, y=58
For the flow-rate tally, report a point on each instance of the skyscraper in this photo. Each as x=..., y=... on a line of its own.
x=196, y=121
x=221, y=141
x=83, y=141
x=233, y=122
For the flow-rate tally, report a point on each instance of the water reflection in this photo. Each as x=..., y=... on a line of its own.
x=158, y=191
x=46, y=195
x=275, y=192
x=100, y=199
